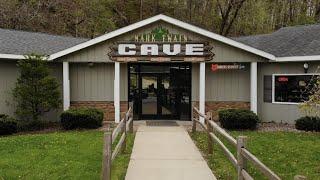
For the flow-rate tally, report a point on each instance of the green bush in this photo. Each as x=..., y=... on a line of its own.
x=7, y=125
x=88, y=118
x=238, y=119
x=33, y=125
x=308, y=123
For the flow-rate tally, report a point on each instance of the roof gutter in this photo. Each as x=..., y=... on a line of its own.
x=298, y=58
x=11, y=56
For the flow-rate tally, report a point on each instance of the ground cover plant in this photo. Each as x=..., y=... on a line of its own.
x=59, y=155
x=286, y=153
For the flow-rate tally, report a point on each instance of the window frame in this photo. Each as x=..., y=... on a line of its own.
x=287, y=74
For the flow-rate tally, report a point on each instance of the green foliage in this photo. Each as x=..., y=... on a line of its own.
x=82, y=118
x=238, y=119
x=285, y=153
x=311, y=107
x=90, y=18
x=7, y=125
x=308, y=123
x=36, y=92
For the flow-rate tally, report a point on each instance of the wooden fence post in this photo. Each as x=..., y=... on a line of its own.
x=194, y=123
x=131, y=123
x=106, y=159
x=241, y=143
x=210, y=144
x=124, y=145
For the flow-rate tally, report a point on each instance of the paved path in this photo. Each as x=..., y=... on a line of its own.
x=166, y=153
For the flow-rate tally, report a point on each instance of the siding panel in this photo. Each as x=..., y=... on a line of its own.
x=223, y=85
x=96, y=83
x=279, y=112
x=8, y=77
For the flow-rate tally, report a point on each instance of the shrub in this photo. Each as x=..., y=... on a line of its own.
x=7, y=125
x=82, y=118
x=238, y=119
x=308, y=123
x=36, y=92
x=33, y=125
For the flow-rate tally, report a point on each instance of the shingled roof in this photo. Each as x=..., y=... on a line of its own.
x=287, y=41
x=22, y=42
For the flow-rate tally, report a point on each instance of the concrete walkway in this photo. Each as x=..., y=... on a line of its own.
x=166, y=153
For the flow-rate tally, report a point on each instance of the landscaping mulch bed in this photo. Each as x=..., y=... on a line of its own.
x=272, y=127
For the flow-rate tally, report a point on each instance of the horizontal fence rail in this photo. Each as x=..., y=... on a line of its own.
x=243, y=154
x=109, y=154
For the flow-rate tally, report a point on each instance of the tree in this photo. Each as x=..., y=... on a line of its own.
x=311, y=106
x=36, y=92
x=229, y=12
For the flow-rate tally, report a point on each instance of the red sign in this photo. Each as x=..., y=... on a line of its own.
x=215, y=67
x=283, y=79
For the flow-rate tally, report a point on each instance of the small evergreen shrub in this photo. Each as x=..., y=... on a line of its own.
x=88, y=118
x=308, y=123
x=33, y=125
x=7, y=125
x=238, y=119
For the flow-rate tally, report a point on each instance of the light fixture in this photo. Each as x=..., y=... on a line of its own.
x=90, y=64
x=305, y=67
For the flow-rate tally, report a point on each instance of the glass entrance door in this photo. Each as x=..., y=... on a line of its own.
x=149, y=96
x=160, y=91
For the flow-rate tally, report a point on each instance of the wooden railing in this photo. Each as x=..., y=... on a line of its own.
x=243, y=154
x=125, y=125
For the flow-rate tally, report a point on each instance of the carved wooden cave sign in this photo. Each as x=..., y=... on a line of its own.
x=161, y=51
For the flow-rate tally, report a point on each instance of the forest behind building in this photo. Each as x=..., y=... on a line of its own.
x=91, y=18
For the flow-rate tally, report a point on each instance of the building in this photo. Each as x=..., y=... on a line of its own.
x=162, y=66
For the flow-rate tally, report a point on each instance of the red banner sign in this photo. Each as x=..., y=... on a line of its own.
x=215, y=67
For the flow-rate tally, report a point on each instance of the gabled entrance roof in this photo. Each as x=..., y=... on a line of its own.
x=169, y=20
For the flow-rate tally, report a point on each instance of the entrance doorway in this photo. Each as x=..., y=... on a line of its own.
x=160, y=91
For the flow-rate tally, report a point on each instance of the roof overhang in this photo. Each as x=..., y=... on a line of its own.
x=169, y=20
x=11, y=56
x=298, y=58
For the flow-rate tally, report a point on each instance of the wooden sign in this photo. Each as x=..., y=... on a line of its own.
x=160, y=52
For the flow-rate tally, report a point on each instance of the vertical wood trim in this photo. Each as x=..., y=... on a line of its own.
x=202, y=90
x=254, y=87
x=117, y=92
x=66, y=86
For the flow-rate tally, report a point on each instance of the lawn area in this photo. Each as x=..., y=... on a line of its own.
x=286, y=153
x=60, y=155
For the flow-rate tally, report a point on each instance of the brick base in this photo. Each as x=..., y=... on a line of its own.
x=215, y=106
x=106, y=106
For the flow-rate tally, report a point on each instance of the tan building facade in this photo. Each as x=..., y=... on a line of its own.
x=162, y=67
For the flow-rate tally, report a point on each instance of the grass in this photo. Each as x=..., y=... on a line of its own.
x=286, y=153
x=59, y=155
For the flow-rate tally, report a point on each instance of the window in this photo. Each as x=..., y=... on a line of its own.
x=288, y=88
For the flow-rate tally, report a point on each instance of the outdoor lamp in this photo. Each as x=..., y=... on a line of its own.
x=90, y=64
x=305, y=67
